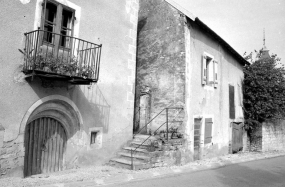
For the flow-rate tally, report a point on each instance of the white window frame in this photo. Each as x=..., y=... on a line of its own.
x=209, y=71
x=38, y=14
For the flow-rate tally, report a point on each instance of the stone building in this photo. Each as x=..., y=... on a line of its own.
x=185, y=64
x=67, y=79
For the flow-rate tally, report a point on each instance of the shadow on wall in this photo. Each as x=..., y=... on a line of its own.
x=99, y=107
x=141, y=23
x=90, y=100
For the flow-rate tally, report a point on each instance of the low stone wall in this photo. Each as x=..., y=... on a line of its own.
x=175, y=152
x=255, y=140
x=269, y=136
x=11, y=159
x=273, y=135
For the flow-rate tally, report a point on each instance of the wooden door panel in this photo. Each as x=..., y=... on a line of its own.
x=45, y=141
x=237, y=133
x=197, y=137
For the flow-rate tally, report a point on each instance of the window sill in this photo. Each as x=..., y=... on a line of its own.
x=208, y=87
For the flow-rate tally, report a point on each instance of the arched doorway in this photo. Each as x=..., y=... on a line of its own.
x=54, y=118
x=45, y=144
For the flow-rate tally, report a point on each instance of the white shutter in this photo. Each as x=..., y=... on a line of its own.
x=204, y=70
x=215, y=73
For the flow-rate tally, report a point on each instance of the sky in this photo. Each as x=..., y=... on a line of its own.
x=241, y=22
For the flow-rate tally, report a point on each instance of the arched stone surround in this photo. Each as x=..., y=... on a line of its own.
x=58, y=107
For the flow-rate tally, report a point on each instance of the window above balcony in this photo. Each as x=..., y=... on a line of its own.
x=52, y=52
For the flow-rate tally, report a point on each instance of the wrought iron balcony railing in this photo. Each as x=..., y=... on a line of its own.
x=53, y=55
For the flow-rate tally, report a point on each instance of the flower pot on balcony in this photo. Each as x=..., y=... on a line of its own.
x=46, y=69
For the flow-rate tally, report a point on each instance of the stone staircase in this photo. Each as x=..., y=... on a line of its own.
x=141, y=155
x=152, y=153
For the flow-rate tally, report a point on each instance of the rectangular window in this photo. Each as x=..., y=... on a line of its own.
x=57, y=22
x=209, y=71
x=208, y=130
x=93, y=137
x=232, y=101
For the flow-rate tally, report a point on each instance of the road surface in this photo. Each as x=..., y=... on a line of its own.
x=261, y=173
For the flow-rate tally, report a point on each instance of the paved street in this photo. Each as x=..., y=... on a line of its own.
x=268, y=172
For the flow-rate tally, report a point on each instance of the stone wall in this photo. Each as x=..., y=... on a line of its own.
x=255, y=140
x=269, y=136
x=273, y=136
x=160, y=56
x=11, y=158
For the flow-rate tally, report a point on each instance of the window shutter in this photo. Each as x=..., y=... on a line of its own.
x=208, y=130
x=44, y=4
x=215, y=73
x=204, y=70
x=232, y=101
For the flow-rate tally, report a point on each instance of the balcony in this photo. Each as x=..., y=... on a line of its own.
x=55, y=56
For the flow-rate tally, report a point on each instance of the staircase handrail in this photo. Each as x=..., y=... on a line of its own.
x=147, y=123
x=166, y=122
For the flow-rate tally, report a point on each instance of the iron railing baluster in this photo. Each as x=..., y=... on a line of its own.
x=40, y=51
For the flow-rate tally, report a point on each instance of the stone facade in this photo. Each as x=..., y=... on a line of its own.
x=161, y=56
x=105, y=108
x=172, y=44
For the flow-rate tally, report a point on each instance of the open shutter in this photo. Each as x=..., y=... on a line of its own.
x=215, y=73
x=208, y=130
x=232, y=101
x=204, y=70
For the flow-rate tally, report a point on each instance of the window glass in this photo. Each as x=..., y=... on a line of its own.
x=49, y=24
x=210, y=71
x=66, y=27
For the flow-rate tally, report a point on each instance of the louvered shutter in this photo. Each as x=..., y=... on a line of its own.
x=215, y=73
x=208, y=130
x=204, y=70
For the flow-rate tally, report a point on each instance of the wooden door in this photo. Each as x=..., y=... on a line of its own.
x=45, y=141
x=197, y=138
x=237, y=133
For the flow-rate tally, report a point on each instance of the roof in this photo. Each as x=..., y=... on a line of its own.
x=222, y=41
x=209, y=31
x=181, y=9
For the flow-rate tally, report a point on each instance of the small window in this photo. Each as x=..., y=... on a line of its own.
x=93, y=137
x=209, y=71
x=208, y=130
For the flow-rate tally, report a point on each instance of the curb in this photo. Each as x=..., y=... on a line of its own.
x=163, y=173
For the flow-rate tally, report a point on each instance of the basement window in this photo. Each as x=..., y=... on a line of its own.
x=93, y=137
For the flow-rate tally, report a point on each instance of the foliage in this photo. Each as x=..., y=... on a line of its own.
x=48, y=62
x=264, y=91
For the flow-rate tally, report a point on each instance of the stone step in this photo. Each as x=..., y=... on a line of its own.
x=142, y=137
x=139, y=145
x=125, y=163
x=135, y=156
x=141, y=150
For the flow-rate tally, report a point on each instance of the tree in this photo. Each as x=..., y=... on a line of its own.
x=264, y=91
